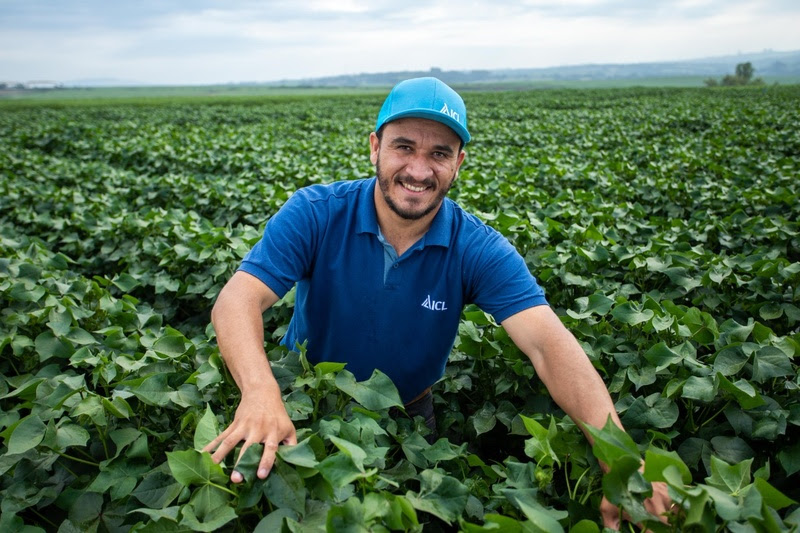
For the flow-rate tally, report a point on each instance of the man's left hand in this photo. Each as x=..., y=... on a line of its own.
x=659, y=504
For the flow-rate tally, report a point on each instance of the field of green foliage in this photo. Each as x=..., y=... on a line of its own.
x=663, y=225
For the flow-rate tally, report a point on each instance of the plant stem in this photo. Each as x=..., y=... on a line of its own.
x=11, y=362
x=77, y=460
x=103, y=440
x=44, y=518
x=225, y=489
x=566, y=478
x=65, y=467
x=712, y=417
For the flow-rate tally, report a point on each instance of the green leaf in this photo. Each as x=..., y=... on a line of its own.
x=125, y=282
x=339, y=470
x=299, y=405
x=118, y=477
x=157, y=490
x=612, y=444
x=85, y=510
x=539, y=446
x=414, y=447
x=632, y=314
x=727, y=506
x=285, y=489
x=789, y=458
x=661, y=356
x=443, y=450
x=585, y=526
x=124, y=437
x=49, y=346
x=744, y=393
x=118, y=407
x=651, y=411
x=375, y=394
x=731, y=449
x=301, y=454
x=71, y=435
x=154, y=390
x=59, y=322
x=641, y=377
x=597, y=303
x=173, y=345
x=80, y=336
x=770, y=362
x=699, y=388
x=540, y=518
x=168, y=513
x=733, y=333
x=190, y=467
x=730, y=360
x=617, y=485
x=484, y=419
x=207, y=429
x=729, y=478
x=211, y=521
x=770, y=311
x=439, y=495
x=347, y=517
x=327, y=367
x=27, y=434
x=498, y=524
x=657, y=460
x=275, y=520
x=91, y=406
x=772, y=496
x=355, y=452
x=206, y=500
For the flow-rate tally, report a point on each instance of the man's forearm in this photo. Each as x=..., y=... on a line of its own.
x=563, y=367
x=238, y=322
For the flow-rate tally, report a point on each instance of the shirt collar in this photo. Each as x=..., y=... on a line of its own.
x=367, y=219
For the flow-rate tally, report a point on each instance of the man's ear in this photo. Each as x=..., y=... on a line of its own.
x=374, y=146
x=461, y=156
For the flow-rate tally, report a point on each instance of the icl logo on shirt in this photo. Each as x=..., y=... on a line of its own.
x=434, y=305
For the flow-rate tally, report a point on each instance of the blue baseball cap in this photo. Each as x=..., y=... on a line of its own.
x=426, y=98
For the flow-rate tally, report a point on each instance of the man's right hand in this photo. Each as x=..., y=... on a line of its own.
x=260, y=418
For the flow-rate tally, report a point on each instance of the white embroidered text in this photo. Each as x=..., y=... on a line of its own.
x=434, y=305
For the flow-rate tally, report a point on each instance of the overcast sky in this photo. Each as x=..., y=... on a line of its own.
x=216, y=41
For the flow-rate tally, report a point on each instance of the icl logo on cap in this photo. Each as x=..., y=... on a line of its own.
x=451, y=113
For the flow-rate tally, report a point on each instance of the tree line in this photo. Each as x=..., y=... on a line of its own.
x=742, y=76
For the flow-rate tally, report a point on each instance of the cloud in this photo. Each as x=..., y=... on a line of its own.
x=208, y=41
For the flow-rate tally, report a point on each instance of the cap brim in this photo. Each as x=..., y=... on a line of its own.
x=454, y=125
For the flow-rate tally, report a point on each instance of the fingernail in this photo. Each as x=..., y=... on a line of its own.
x=262, y=472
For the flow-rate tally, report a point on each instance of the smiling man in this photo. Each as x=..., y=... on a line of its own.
x=383, y=268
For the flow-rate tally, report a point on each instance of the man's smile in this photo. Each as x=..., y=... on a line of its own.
x=413, y=188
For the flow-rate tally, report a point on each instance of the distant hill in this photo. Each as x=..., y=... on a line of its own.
x=766, y=64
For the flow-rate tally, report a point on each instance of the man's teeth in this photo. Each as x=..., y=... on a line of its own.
x=413, y=188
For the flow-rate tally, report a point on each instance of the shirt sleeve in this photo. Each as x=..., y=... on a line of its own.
x=500, y=282
x=284, y=255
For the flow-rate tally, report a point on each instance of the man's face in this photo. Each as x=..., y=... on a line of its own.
x=416, y=161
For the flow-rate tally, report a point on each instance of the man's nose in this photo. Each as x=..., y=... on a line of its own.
x=419, y=167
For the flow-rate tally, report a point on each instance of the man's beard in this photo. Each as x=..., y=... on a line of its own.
x=385, y=182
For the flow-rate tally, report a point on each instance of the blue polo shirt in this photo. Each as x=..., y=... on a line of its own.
x=359, y=305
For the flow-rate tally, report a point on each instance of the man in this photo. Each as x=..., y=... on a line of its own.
x=383, y=268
